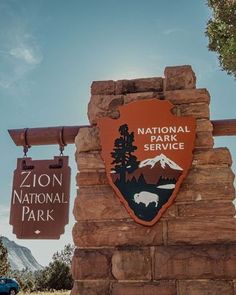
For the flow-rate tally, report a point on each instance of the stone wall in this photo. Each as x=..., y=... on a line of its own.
x=192, y=249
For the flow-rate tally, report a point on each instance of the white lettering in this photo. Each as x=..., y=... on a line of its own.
x=55, y=179
x=24, y=180
x=63, y=199
x=40, y=215
x=31, y=216
x=164, y=146
x=25, y=210
x=26, y=199
x=37, y=215
x=173, y=137
x=163, y=130
x=47, y=180
x=41, y=198
x=140, y=130
x=15, y=195
x=42, y=180
x=49, y=217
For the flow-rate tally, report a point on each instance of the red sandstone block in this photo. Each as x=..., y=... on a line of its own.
x=98, y=203
x=124, y=86
x=104, y=106
x=157, y=288
x=89, y=160
x=207, y=183
x=87, y=140
x=216, y=156
x=205, y=287
x=92, y=287
x=176, y=97
x=207, y=175
x=204, y=140
x=180, y=77
x=202, y=231
x=148, y=84
x=103, y=87
x=91, y=264
x=91, y=178
x=130, y=97
x=116, y=233
x=223, y=190
x=196, y=110
x=139, y=85
x=205, y=209
x=132, y=264
x=204, y=125
x=195, y=262
x=171, y=212
x=187, y=96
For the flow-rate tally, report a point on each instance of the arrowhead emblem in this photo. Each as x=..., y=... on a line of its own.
x=147, y=153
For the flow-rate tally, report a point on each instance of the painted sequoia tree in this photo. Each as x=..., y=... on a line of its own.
x=124, y=160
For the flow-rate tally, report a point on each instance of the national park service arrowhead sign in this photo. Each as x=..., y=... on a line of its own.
x=147, y=153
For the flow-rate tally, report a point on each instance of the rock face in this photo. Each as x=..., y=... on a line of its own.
x=192, y=249
x=20, y=257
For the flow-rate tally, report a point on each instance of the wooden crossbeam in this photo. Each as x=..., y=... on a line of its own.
x=67, y=134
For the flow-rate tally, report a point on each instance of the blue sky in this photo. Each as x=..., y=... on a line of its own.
x=51, y=51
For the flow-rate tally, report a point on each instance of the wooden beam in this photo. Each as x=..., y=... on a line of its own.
x=67, y=134
x=44, y=136
x=224, y=127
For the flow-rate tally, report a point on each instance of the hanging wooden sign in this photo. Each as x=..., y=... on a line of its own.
x=40, y=198
x=147, y=153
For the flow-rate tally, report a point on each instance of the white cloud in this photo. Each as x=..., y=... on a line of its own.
x=26, y=54
x=173, y=31
x=20, y=52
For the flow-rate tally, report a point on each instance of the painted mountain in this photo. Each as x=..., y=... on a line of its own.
x=20, y=257
x=149, y=186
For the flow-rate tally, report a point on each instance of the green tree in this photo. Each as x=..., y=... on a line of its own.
x=57, y=274
x=60, y=277
x=4, y=264
x=221, y=31
x=65, y=255
x=25, y=278
x=124, y=161
x=41, y=279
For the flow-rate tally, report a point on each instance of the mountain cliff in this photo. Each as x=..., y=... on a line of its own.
x=20, y=257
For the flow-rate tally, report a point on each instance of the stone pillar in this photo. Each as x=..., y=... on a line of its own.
x=192, y=249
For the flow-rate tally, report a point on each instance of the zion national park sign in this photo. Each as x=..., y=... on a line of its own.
x=40, y=198
x=147, y=153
